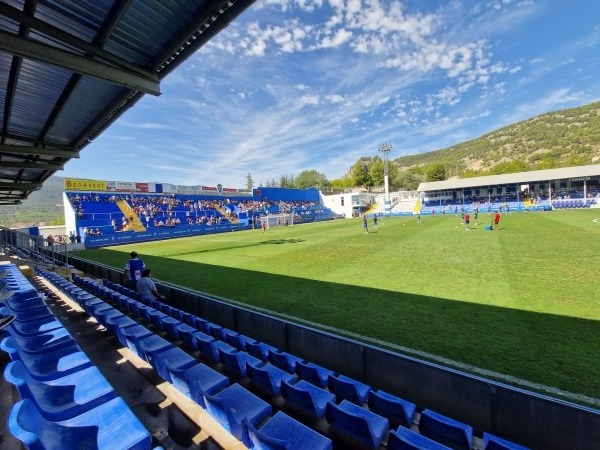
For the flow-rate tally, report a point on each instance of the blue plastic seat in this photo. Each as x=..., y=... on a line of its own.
x=177, y=314
x=171, y=358
x=186, y=332
x=353, y=423
x=187, y=318
x=347, y=388
x=306, y=397
x=405, y=439
x=20, y=302
x=284, y=360
x=116, y=324
x=32, y=327
x=62, y=398
x=104, y=315
x=397, y=410
x=282, y=432
x=313, y=373
x=170, y=325
x=132, y=336
x=445, y=430
x=210, y=348
x=150, y=346
x=91, y=302
x=49, y=365
x=155, y=318
x=201, y=324
x=167, y=309
x=268, y=377
x=200, y=337
x=234, y=404
x=491, y=442
x=31, y=314
x=216, y=331
x=238, y=340
x=235, y=361
x=109, y=426
x=44, y=342
x=198, y=380
x=260, y=350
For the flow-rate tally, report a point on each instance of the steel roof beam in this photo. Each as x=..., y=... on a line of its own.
x=69, y=39
x=38, y=51
x=31, y=165
x=21, y=187
x=38, y=151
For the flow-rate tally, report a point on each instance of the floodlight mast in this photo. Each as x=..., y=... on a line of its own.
x=385, y=149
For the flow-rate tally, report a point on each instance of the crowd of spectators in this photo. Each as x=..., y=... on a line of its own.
x=170, y=210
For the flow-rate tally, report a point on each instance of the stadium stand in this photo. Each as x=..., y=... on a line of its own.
x=342, y=411
x=63, y=408
x=104, y=218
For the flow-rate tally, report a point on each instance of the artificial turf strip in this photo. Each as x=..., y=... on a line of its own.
x=523, y=301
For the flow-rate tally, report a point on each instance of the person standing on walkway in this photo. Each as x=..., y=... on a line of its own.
x=133, y=270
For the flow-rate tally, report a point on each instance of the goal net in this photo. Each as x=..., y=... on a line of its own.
x=277, y=220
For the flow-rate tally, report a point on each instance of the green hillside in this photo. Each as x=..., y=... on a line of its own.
x=40, y=207
x=564, y=138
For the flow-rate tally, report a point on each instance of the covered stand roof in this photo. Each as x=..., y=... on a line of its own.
x=70, y=68
x=534, y=176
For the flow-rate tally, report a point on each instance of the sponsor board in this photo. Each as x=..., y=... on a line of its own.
x=153, y=235
x=80, y=184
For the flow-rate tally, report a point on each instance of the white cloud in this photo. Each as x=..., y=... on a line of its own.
x=335, y=98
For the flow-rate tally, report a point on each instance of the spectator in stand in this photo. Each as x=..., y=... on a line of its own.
x=146, y=287
x=133, y=270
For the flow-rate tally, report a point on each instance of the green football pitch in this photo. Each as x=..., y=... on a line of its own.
x=520, y=304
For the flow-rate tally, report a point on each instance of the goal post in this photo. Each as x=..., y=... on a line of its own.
x=277, y=220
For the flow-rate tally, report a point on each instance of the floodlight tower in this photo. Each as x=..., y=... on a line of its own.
x=386, y=148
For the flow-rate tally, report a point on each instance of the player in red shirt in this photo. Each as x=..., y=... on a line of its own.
x=496, y=220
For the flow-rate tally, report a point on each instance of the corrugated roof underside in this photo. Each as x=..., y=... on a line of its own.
x=88, y=99
x=38, y=89
x=147, y=27
x=82, y=19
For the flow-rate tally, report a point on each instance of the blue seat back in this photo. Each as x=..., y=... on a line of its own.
x=445, y=430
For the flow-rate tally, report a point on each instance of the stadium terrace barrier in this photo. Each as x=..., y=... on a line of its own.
x=531, y=419
x=155, y=234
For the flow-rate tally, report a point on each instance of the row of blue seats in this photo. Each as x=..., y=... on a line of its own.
x=351, y=408
x=564, y=204
x=31, y=254
x=66, y=402
x=236, y=408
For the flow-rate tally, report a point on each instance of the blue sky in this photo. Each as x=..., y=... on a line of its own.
x=293, y=85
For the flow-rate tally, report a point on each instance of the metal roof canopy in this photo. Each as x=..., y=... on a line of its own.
x=533, y=176
x=70, y=68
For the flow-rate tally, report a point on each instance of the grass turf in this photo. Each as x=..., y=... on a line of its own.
x=522, y=301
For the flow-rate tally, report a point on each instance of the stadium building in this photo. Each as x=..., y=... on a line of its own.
x=555, y=186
